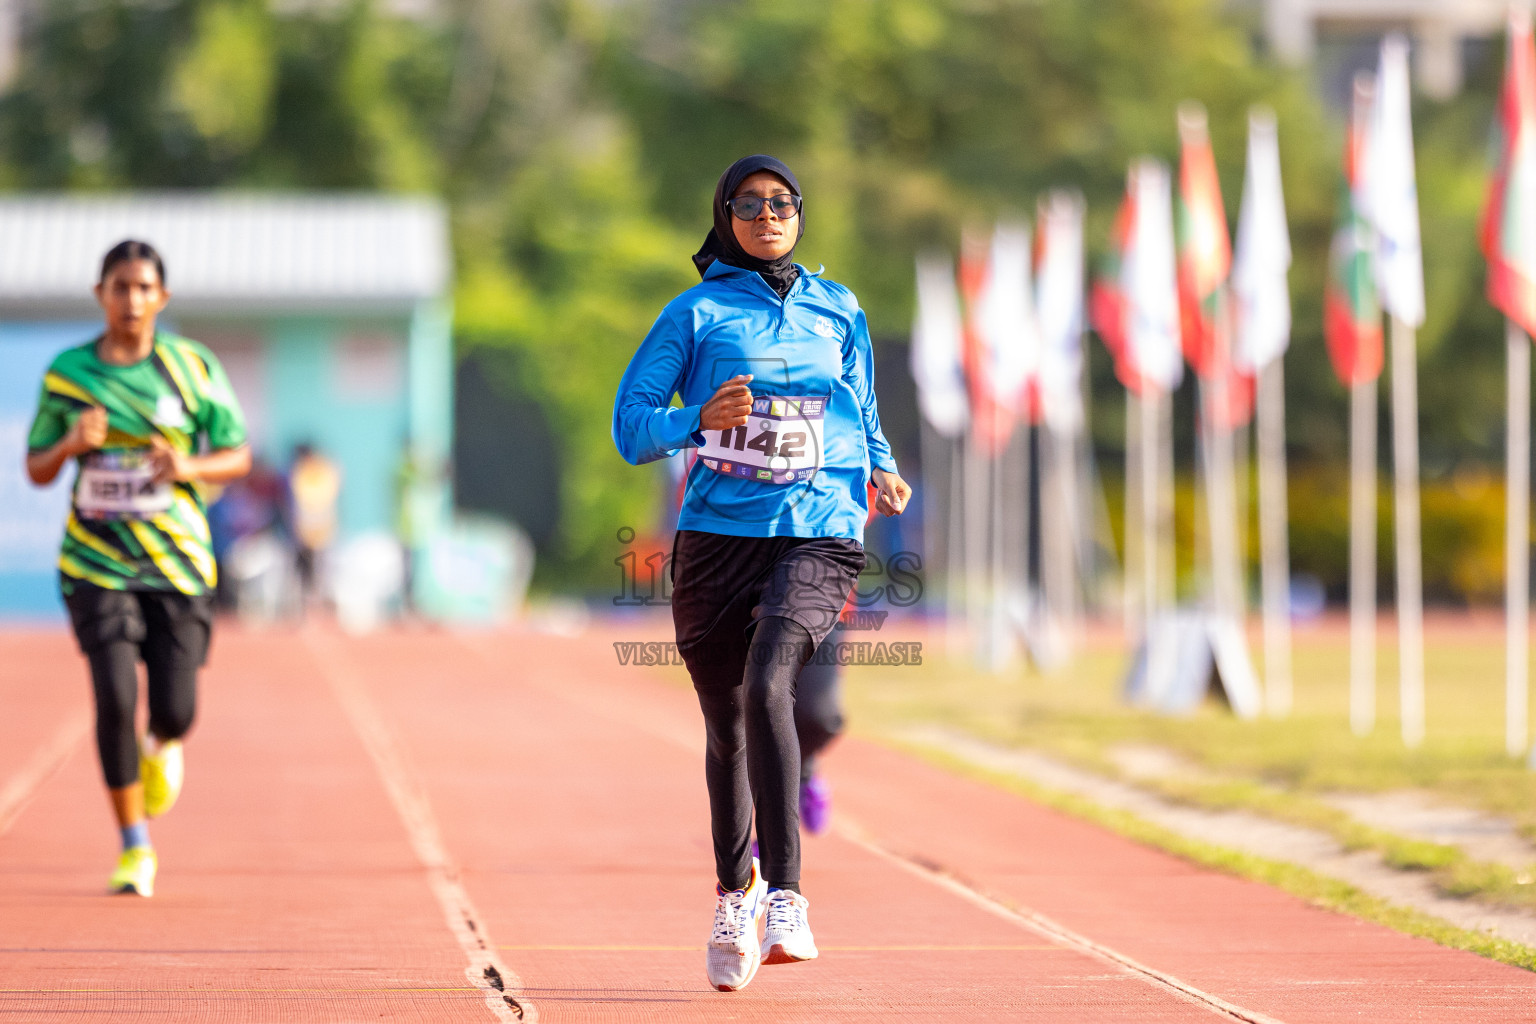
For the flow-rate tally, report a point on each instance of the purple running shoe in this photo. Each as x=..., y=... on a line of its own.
x=815, y=805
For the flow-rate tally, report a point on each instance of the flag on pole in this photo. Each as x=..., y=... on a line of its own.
x=976, y=354
x=1205, y=260
x=1147, y=280
x=1509, y=220
x=1393, y=206
x=936, y=346
x=1002, y=349
x=1106, y=300
x=1205, y=256
x=1351, y=309
x=1008, y=315
x=1059, y=307
x=1259, y=289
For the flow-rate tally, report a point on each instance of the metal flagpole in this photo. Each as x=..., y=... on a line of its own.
x=1410, y=585
x=1150, y=534
x=1517, y=541
x=928, y=448
x=997, y=606
x=1242, y=456
x=1023, y=493
x=1060, y=523
x=1202, y=560
x=1220, y=501
x=1226, y=533
x=1074, y=516
x=954, y=549
x=1098, y=531
x=1274, y=542
x=976, y=508
x=1157, y=524
x=1134, y=566
x=1167, y=577
x=1089, y=496
x=1362, y=557
x=1150, y=562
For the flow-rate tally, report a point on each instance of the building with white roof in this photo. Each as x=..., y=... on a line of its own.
x=1439, y=30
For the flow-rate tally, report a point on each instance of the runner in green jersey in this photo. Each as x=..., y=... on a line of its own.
x=151, y=420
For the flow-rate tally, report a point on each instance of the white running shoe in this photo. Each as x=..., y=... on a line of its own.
x=788, y=938
x=733, y=955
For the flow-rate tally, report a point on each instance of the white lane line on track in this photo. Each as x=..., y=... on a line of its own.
x=1024, y=917
x=20, y=788
x=486, y=971
x=1045, y=927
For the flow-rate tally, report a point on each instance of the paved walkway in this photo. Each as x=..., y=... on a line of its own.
x=387, y=828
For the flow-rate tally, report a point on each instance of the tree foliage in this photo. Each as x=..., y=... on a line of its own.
x=577, y=143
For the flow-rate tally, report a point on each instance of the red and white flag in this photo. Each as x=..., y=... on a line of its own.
x=1107, y=312
x=1509, y=221
x=1205, y=260
x=1002, y=340
x=1351, y=307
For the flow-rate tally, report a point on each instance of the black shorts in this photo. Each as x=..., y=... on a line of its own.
x=172, y=621
x=722, y=585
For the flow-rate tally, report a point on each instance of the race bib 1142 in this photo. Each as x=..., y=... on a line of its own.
x=780, y=443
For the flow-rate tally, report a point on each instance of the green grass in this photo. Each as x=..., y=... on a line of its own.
x=1300, y=882
x=1278, y=768
x=1078, y=714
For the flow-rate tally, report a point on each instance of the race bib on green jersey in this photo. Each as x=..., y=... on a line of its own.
x=780, y=443
x=120, y=485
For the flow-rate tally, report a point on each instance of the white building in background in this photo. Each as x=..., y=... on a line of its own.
x=1439, y=29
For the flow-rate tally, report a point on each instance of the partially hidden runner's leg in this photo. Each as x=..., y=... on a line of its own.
x=818, y=711
x=176, y=644
x=818, y=721
x=109, y=627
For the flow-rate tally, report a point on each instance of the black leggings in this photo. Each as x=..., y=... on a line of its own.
x=752, y=756
x=118, y=628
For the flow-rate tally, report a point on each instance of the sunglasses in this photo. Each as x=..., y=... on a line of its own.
x=784, y=207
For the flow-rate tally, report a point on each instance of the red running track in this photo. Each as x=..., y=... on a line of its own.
x=371, y=823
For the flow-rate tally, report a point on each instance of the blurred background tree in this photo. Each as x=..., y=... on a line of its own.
x=577, y=144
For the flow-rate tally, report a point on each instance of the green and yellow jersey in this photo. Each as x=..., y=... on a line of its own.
x=125, y=532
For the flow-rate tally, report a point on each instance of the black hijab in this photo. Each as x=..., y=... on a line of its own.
x=720, y=244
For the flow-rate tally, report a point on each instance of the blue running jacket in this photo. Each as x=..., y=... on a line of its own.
x=811, y=347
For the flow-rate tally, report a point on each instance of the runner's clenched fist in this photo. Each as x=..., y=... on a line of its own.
x=729, y=406
x=89, y=431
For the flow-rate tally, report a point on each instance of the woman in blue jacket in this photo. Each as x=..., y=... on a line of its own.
x=774, y=370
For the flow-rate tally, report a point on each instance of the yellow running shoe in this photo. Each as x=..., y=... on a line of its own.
x=136, y=871
x=162, y=773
